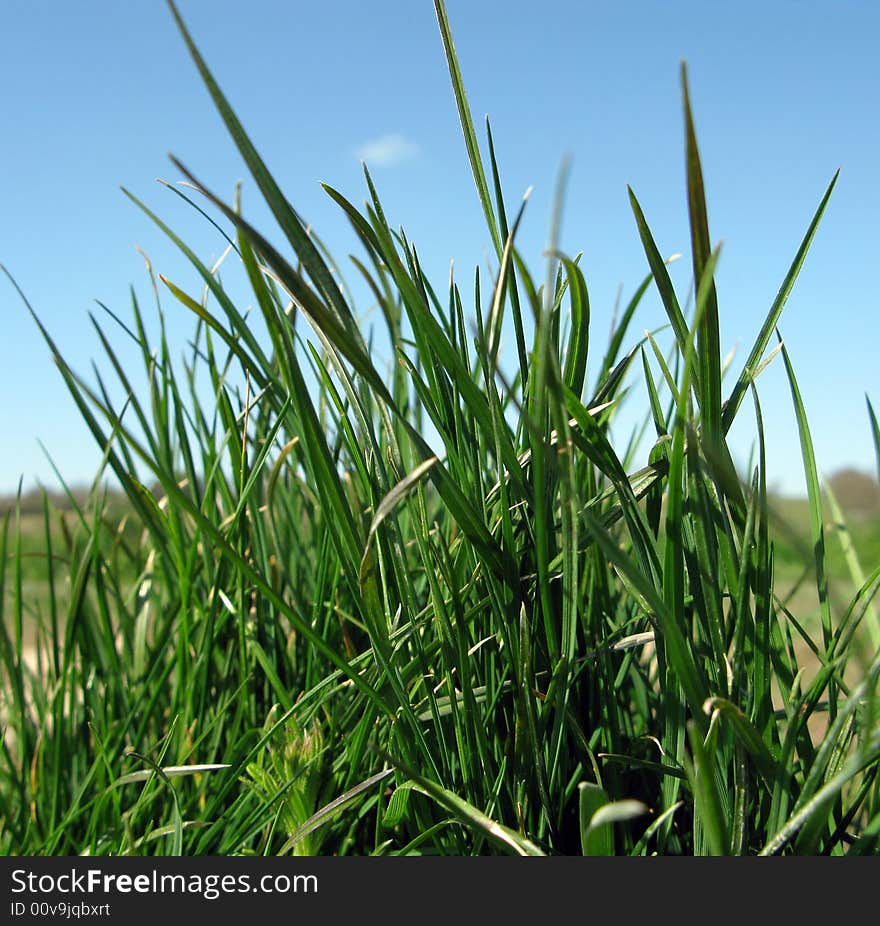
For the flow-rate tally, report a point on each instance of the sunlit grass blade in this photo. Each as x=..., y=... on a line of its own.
x=814, y=495
x=816, y=802
x=516, y=307
x=281, y=209
x=708, y=339
x=509, y=840
x=875, y=432
x=661, y=278
x=731, y=406
x=467, y=125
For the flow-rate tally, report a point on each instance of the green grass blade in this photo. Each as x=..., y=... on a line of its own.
x=595, y=840
x=664, y=284
x=708, y=338
x=814, y=495
x=731, y=406
x=853, y=563
x=284, y=214
x=748, y=735
x=333, y=809
x=706, y=797
x=508, y=839
x=516, y=307
x=467, y=125
x=875, y=432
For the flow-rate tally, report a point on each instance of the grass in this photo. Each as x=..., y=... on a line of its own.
x=323, y=632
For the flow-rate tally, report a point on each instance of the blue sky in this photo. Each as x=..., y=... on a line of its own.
x=94, y=95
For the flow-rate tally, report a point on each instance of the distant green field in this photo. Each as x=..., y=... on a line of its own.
x=852, y=549
x=790, y=519
x=47, y=536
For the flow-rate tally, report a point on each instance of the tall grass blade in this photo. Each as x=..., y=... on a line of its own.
x=467, y=125
x=731, y=406
x=708, y=339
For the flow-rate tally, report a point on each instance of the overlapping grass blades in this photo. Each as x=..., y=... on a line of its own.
x=358, y=638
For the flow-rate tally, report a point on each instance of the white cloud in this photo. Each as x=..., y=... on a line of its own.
x=387, y=151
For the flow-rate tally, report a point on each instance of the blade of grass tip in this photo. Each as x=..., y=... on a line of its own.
x=245, y=334
x=383, y=509
x=594, y=840
x=496, y=313
x=187, y=199
x=281, y=209
x=731, y=406
x=177, y=829
x=302, y=294
x=575, y=368
x=653, y=397
x=661, y=278
x=516, y=308
x=170, y=771
x=875, y=430
x=708, y=338
x=814, y=496
x=467, y=125
x=620, y=327
x=361, y=226
x=669, y=377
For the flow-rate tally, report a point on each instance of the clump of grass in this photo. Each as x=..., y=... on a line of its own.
x=343, y=637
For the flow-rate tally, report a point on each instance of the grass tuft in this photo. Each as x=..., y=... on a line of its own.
x=438, y=611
